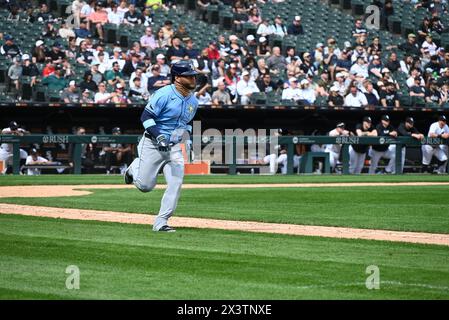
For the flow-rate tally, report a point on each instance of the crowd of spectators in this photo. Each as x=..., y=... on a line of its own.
x=232, y=69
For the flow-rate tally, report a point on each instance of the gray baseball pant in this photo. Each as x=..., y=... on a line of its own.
x=145, y=169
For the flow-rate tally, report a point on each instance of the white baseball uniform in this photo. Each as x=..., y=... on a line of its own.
x=439, y=151
x=334, y=149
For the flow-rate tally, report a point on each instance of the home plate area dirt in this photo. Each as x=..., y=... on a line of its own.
x=246, y=226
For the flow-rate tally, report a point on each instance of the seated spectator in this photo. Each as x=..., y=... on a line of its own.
x=161, y=41
x=389, y=97
x=98, y=18
x=417, y=90
x=38, y=52
x=148, y=42
x=360, y=67
x=176, y=52
x=246, y=87
x=414, y=73
x=131, y=65
x=181, y=33
x=434, y=95
x=221, y=96
x=410, y=46
x=355, y=98
x=251, y=45
x=132, y=17
x=157, y=81
x=212, y=52
x=444, y=79
x=276, y=62
x=29, y=69
x=265, y=29
x=265, y=84
x=263, y=49
x=240, y=17
x=375, y=67
x=139, y=74
x=371, y=94
x=56, y=54
x=324, y=84
x=342, y=83
x=87, y=9
x=335, y=99
x=9, y=48
x=86, y=96
x=393, y=63
x=88, y=82
x=359, y=30
x=307, y=95
x=120, y=96
x=84, y=55
x=115, y=76
x=231, y=80
x=55, y=81
x=279, y=28
x=168, y=32
x=203, y=96
x=122, y=9
x=117, y=56
x=161, y=62
x=113, y=16
x=254, y=16
x=234, y=47
x=102, y=96
x=292, y=92
x=343, y=63
x=136, y=89
x=43, y=14
x=430, y=45
x=307, y=67
x=192, y=52
x=70, y=94
x=82, y=32
x=147, y=16
x=295, y=28
x=201, y=7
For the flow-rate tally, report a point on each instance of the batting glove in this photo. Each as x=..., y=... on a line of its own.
x=162, y=143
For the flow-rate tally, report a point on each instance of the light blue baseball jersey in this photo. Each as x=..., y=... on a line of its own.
x=170, y=112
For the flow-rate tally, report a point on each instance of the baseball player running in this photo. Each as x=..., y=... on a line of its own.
x=357, y=152
x=384, y=129
x=438, y=129
x=407, y=129
x=335, y=149
x=165, y=119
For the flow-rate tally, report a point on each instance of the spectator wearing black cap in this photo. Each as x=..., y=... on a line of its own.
x=437, y=129
x=357, y=152
x=408, y=129
x=116, y=153
x=6, y=150
x=433, y=93
x=384, y=129
x=56, y=54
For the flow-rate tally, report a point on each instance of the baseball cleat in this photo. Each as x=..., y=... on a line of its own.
x=167, y=229
x=128, y=178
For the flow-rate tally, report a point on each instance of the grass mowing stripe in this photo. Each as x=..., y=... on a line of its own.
x=423, y=209
x=213, y=179
x=129, y=261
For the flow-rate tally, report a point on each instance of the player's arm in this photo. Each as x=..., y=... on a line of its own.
x=148, y=118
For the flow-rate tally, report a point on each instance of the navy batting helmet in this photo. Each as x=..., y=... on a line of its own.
x=183, y=68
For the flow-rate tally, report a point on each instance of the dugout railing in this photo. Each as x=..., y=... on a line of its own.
x=230, y=142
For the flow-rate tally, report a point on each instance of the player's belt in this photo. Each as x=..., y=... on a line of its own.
x=149, y=136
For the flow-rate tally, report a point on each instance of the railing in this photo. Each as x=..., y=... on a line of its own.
x=289, y=141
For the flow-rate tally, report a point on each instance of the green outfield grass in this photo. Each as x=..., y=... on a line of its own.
x=130, y=262
x=394, y=208
x=211, y=179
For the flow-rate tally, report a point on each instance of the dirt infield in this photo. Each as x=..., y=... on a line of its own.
x=80, y=190
x=288, y=229
x=247, y=226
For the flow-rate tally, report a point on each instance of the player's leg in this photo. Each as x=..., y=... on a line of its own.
x=375, y=157
x=427, y=154
x=353, y=157
x=391, y=154
x=441, y=155
x=174, y=174
x=359, y=162
x=146, y=166
x=282, y=159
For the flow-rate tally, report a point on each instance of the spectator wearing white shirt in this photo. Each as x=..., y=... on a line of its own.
x=411, y=80
x=361, y=67
x=341, y=84
x=113, y=16
x=246, y=87
x=265, y=29
x=122, y=9
x=430, y=45
x=203, y=96
x=87, y=9
x=279, y=28
x=292, y=92
x=139, y=74
x=102, y=96
x=355, y=98
x=306, y=94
